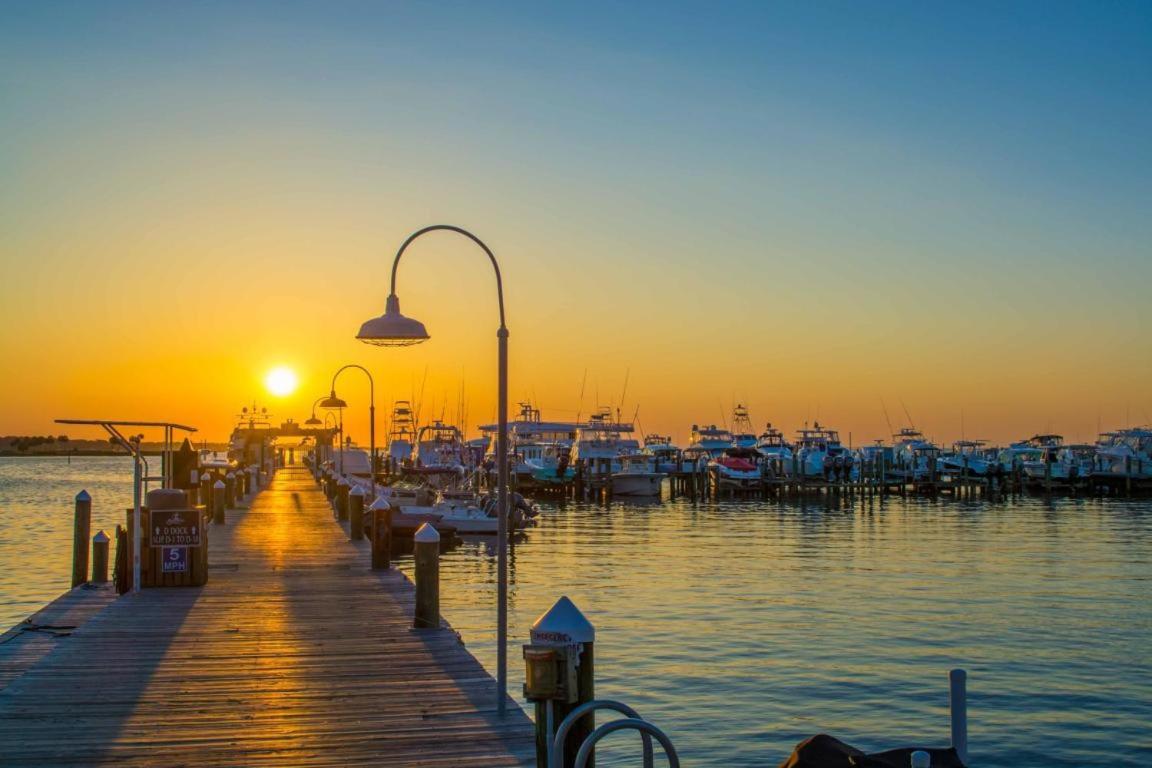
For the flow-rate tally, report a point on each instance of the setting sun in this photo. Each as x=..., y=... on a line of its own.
x=281, y=381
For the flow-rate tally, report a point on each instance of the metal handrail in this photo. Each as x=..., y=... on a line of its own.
x=631, y=723
x=556, y=748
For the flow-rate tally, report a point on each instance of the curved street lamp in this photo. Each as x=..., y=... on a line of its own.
x=335, y=426
x=393, y=329
x=339, y=428
x=312, y=421
x=335, y=402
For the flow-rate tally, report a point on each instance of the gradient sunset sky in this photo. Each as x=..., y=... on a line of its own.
x=807, y=207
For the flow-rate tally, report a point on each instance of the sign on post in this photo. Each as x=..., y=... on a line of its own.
x=175, y=560
x=175, y=528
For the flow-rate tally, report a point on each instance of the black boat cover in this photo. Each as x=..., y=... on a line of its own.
x=823, y=751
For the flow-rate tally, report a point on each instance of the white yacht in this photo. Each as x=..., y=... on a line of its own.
x=602, y=441
x=743, y=433
x=816, y=450
x=401, y=433
x=709, y=442
x=1061, y=464
x=971, y=456
x=637, y=476
x=774, y=448
x=1127, y=451
x=913, y=456
x=668, y=457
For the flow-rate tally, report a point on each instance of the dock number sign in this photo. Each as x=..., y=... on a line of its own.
x=175, y=560
x=175, y=528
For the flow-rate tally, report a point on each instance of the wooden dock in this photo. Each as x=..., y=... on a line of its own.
x=294, y=654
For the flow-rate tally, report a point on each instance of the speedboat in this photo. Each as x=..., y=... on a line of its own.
x=774, y=449
x=1061, y=464
x=637, y=476
x=668, y=458
x=1016, y=454
x=817, y=452
x=709, y=442
x=1125, y=452
x=913, y=456
x=736, y=468
x=969, y=456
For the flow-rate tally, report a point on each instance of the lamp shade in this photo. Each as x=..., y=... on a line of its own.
x=392, y=329
x=333, y=402
x=313, y=422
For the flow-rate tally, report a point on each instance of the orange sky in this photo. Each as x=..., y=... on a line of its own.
x=188, y=199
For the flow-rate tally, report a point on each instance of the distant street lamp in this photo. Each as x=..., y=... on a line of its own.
x=335, y=402
x=393, y=329
x=312, y=421
x=338, y=425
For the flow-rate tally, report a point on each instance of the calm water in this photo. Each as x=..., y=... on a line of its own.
x=741, y=628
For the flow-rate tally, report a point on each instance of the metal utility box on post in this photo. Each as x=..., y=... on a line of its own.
x=559, y=676
x=174, y=547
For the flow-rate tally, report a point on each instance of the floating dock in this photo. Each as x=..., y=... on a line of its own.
x=293, y=653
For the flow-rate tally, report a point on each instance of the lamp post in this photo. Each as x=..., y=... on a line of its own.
x=335, y=427
x=335, y=402
x=312, y=421
x=393, y=329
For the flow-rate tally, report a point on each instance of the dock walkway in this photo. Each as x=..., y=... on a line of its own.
x=294, y=654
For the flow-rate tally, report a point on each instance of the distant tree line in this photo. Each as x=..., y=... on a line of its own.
x=23, y=443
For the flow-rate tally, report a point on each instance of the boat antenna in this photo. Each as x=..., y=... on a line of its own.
x=961, y=422
x=627, y=373
x=420, y=399
x=580, y=407
x=884, y=408
x=723, y=418
x=636, y=418
x=910, y=422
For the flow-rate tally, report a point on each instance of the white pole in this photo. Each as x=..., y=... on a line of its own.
x=958, y=707
x=137, y=479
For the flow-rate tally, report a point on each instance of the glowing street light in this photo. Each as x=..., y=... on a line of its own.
x=393, y=329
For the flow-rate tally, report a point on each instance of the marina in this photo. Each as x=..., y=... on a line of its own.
x=600, y=385
x=786, y=632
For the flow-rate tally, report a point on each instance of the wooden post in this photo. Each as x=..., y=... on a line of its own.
x=356, y=514
x=218, y=503
x=958, y=712
x=342, y=499
x=194, y=488
x=427, y=556
x=1128, y=475
x=564, y=625
x=206, y=490
x=921, y=759
x=229, y=490
x=81, y=530
x=100, y=558
x=381, y=534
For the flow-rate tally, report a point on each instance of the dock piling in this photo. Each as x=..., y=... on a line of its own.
x=356, y=514
x=342, y=499
x=100, y=558
x=921, y=759
x=958, y=712
x=229, y=490
x=381, y=534
x=427, y=556
x=218, y=491
x=81, y=530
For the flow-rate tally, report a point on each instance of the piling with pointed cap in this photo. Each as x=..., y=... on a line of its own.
x=218, y=503
x=565, y=625
x=100, y=558
x=229, y=490
x=427, y=556
x=921, y=759
x=356, y=514
x=342, y=489
x=81, y=530
x=206, y=489
x=381, y=534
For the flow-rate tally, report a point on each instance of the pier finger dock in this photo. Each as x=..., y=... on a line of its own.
x=293, y=653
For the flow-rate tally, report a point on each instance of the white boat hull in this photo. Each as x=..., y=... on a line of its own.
x=637, y=484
